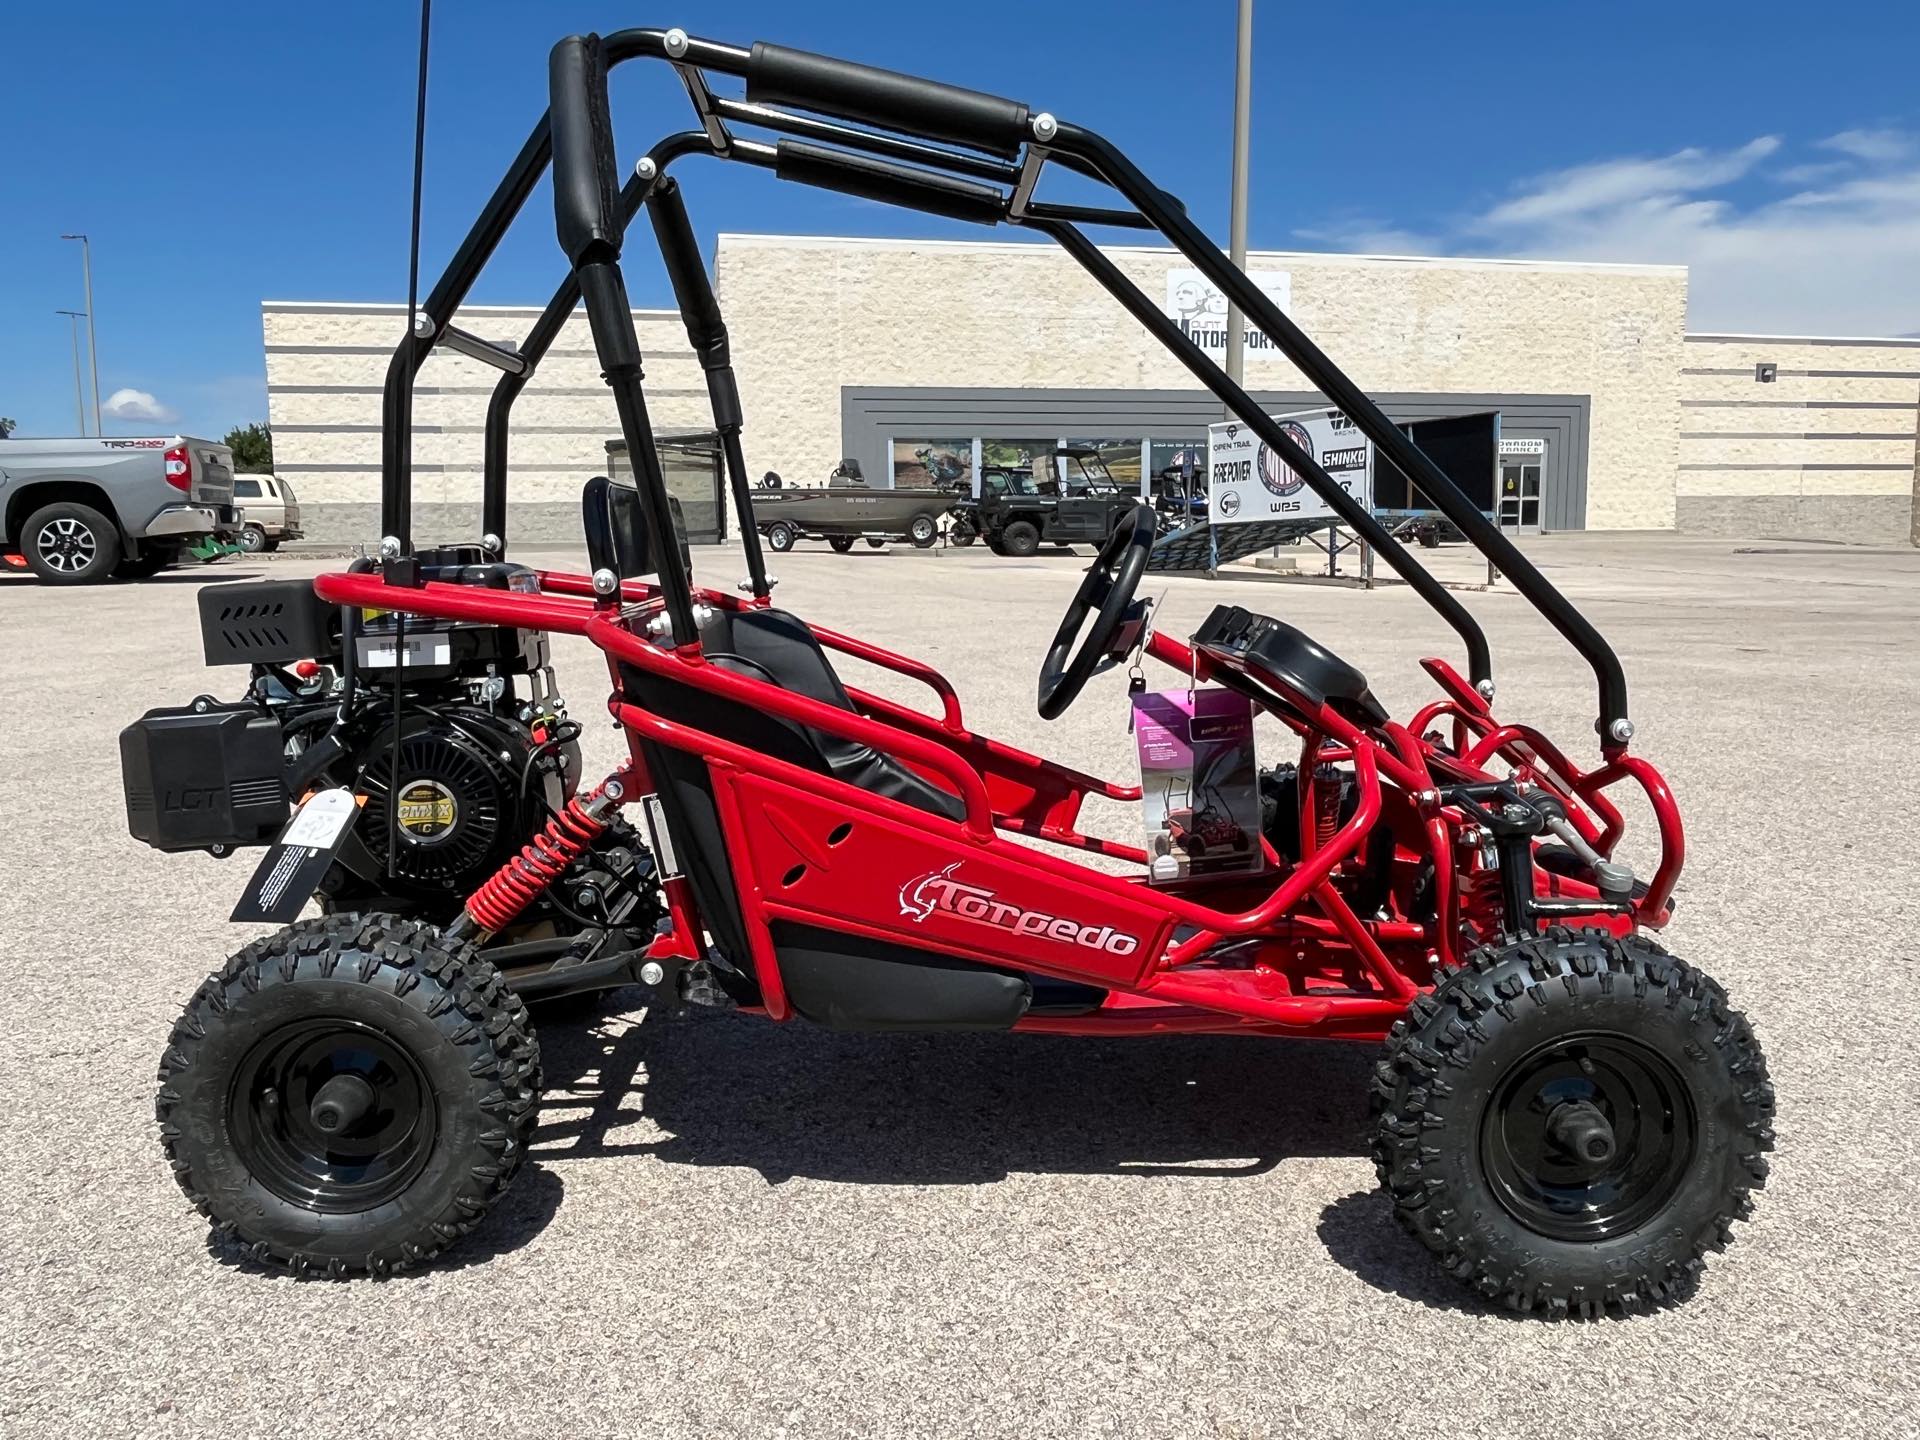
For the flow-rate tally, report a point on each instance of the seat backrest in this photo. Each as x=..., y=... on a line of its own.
x=616, y=529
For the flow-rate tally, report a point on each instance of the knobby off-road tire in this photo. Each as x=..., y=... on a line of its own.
x=244, y=1107
x=1471, y=1132
x=1020, y=539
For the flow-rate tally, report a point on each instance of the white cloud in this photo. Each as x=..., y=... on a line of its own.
x=1875, y=145
x=135, y=405
x=1834, y=255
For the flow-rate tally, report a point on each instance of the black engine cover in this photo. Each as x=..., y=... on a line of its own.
x=202, y=775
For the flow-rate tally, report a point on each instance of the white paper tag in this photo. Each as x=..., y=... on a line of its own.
x=320, y=819
x=377, y=654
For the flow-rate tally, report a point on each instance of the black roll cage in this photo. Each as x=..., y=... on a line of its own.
x=901, y=140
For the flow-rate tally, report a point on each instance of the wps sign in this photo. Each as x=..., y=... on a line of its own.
x=1248, y=480
x=1201, y=311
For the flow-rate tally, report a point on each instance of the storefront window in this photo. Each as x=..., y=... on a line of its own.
x=933, y=462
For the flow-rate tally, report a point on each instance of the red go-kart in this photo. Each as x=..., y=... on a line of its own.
x=1567, y=1116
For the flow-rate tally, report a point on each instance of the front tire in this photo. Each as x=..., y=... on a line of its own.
x=253, y=539
x=1571, y=1123
x=840, y=544
x=1020, y=539
x=349, y=1094
x=67, y=543
x=780, y=536
x=922, y=532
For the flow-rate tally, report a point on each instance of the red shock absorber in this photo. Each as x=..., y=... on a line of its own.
x=1326, y=805
x=519, y=882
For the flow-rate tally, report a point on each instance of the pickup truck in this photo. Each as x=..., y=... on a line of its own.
x=81, y=510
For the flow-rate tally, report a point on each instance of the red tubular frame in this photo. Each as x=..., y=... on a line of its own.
x=1240, y=969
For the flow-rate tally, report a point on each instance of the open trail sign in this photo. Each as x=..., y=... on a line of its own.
x=1249, y=481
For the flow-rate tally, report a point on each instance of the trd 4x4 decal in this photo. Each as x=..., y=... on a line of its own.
x=941, y=890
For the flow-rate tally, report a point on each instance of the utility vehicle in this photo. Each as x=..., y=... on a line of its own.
x=1069, y=497
x=1567, y=1116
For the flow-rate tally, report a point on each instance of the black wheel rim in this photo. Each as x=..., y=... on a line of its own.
x=1588, y=1137
x=362, y=1163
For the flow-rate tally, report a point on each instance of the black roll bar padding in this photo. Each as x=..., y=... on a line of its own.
x=806, y=127
x=777, y=75
x=707, y=333
x=586, y=185
x=1351, y=400
x=873, y=178
x=547, y=329
x=1168, y=333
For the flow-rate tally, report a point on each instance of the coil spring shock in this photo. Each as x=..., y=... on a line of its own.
x=519, y=882
x=1326, y=804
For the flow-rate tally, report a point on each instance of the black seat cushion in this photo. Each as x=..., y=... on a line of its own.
x=779, y=648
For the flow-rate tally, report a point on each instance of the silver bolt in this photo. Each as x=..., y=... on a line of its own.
x=646, y=169
x=652, y=973
x=1045, y=127
x=389, y=547
x=605, y=582
x=613, y=790
x=1429, y=797
x=1485, y=689
x=423, y=324
x=1516, y=813
x=1621, y=730
x=676, y=42
x=491, y=541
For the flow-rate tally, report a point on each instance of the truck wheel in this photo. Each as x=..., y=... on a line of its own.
x=840, y=544
x=780, y=536
x=253, y=539
x=923, y=532
x=348, y=1095
x=1570, y=1123
x=1020, y=539
x=67, y=543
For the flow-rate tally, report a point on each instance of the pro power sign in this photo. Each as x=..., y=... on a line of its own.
x=1249, y=481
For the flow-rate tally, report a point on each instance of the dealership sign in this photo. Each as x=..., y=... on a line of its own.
x=1201, y=311
x=1249, y=480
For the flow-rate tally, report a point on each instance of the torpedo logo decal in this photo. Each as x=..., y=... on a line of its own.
x=944, y=892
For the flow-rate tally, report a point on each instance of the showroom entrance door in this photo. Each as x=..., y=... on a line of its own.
x=1520, y=479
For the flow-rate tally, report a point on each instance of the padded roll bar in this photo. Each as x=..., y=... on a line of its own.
x=872, y=178
x=871, y=96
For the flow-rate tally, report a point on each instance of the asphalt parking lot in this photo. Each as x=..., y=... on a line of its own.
x=735, y=1228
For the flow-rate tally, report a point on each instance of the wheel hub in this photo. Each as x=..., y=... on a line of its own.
x=66, y=544
x=1588, y=1137
x=332, y=1115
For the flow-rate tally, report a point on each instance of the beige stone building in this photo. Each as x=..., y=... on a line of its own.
x=905, y=355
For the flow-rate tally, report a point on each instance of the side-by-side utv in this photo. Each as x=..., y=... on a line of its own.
x=1566, y=1115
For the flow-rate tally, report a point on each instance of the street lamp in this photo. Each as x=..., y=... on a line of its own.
x=79, y=404
x=1237, y=219
x=93, y=345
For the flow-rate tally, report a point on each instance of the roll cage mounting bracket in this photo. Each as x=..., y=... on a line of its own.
x=905, y=141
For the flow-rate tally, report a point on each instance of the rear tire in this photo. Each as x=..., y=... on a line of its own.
x=273, y=544
x=875, y=543
x=922, y=532
x=349, y=1095
x=149, y=562
x=840, y=544
x=253, y=539
x=780, y=536
x=1570, y=1123
x=1020, y=539
x=67, y=543
x=962, y=535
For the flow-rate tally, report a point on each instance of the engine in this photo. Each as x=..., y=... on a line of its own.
x=457, y=765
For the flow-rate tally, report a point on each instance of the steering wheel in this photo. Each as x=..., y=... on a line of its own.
x=1109, y=584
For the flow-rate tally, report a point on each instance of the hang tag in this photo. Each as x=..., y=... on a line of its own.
x=1136, y=685
x=1199, y=782
x=294, y=864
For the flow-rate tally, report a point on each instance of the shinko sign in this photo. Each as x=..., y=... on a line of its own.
x=1201, y=311
x=1248, y=481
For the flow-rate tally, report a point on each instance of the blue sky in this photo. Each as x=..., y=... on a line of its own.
x=222, y=153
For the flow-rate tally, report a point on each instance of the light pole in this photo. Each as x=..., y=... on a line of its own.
x=1237, y=221
x=79, y=404
x=93, y=345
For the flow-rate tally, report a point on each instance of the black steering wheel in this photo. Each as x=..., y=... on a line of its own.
x=1110, y=583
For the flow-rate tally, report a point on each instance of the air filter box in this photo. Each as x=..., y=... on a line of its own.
x=198, y=776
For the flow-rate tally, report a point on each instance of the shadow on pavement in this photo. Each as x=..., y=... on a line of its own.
x=792, y=1100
